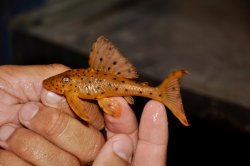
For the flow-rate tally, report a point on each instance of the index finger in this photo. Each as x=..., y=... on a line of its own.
x=153, y=136
x=125, y=124
x=20, y=84
x=20, y=81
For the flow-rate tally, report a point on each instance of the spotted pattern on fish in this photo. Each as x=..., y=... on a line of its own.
x=111, y=74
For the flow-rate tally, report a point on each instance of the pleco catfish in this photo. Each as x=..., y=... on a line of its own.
x=109, y=75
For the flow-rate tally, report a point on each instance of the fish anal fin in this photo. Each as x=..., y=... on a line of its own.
x=169, y=91
x=106, y=57
x=110, y=106
x=129, y=99
x=87, y=111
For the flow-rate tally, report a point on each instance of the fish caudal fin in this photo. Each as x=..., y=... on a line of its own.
x=170, y=94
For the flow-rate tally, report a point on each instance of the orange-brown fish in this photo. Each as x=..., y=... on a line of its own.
x=110, y=74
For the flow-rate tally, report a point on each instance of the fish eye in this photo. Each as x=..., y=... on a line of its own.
x=66, y=79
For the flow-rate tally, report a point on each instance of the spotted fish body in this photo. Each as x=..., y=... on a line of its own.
x=110, y=74
x=96, y=85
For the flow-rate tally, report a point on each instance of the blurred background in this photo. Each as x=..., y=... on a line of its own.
x=211, y=39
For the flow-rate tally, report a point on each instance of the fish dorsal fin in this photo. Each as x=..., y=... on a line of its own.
x=104, y=56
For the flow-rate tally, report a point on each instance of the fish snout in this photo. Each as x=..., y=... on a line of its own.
x=53, y=85
x=47, y=84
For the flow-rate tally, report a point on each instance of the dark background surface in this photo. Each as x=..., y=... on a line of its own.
x=209, y=38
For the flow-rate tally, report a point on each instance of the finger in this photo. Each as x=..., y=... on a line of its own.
x=66, y=132
x=32, y=147
x=27, y=78
x=117, y=151
x=54, y=100
x=8, y=158
x=8, y=113
x=126, y=123
x=153, y=136
x=6, y=98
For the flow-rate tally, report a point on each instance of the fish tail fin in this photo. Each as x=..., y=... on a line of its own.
x=169, y=91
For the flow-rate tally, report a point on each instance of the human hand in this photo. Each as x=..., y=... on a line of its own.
x=37, y=126
x=130, y=144
x=52, y=131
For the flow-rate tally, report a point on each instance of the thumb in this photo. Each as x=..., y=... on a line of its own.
x=118, y=150
x=49, y=98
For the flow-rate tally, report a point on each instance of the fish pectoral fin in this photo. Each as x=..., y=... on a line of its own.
x=77, y=105
x=110, y=106
x=87, y=111
x=129, y=99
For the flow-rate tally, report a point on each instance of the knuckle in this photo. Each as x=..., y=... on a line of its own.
x=5, y=156
x=92, y=148
x=59, y=67
x=8, y=158
x=71, y=161
x=33, y=148
x=56, y=124
x=22, y=147
x=63, y=159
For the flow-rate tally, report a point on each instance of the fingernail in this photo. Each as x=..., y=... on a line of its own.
x=52, y=98
x=123, y=149
x=157, y=112
x=28, y=111
x=6, y=131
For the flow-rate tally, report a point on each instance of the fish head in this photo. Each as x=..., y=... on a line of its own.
x=60, y=83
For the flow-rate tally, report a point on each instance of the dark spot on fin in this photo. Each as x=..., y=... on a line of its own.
x=104, y=53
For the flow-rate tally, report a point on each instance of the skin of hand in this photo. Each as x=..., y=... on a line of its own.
x=37, y=127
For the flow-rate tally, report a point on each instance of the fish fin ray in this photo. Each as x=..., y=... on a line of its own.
x=169, y=89
x=110, y=106
x=87, y=111
x=106, y=57
x=129, y=99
